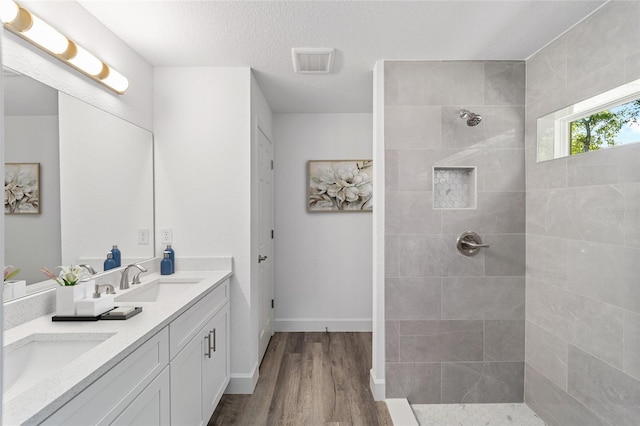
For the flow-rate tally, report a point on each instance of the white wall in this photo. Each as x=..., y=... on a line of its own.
x=322, y=260
x=203, y=180
x=34, y=239
x=76, y=22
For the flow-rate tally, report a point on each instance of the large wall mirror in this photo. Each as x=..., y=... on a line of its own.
x=95, y=181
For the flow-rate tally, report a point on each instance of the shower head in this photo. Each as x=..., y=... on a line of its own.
x=472, y=118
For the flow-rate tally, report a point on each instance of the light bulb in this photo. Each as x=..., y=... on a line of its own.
x=8, y=11
x=86, y=61
x=46, y=36
x=116, y=81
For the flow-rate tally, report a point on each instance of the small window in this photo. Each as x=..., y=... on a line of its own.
x=604, y=121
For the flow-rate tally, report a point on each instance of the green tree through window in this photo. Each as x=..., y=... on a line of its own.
x=602, y=129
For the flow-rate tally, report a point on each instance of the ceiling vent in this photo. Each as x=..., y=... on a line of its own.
x=312, y=60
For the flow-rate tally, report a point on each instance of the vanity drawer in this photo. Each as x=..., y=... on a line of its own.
x=187, y=325
x=107, y=397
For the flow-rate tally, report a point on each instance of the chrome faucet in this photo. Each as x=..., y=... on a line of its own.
x=109, y=290
x=124, y=280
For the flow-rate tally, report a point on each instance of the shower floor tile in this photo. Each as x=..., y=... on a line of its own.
x=475, y=415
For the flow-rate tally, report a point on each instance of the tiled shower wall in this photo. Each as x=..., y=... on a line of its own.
x=454, y=324
x=583, y=237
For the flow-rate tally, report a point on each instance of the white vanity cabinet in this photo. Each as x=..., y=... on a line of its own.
x=121, y=389
x=176, y=377
x=200, y=369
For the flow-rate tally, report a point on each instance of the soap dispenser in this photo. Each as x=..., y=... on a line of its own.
x=116, y=256
x=166, y=266
x=109, y=263
x=172, y=256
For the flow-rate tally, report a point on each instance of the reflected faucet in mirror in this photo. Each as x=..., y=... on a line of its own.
x=124, y=280
x=88, y=268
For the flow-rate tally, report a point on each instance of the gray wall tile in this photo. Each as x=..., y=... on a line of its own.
x=592, y=325
x=391, y=170
x=604, y=272
x=390, y=83
x=497, y=212
x=413, y=298
x=392, y=332
x=607, y=391
x=576, y=213
x=547, y=70
x=547, y=353
x=418, y=382
x=501, y=127
x=436, y=341
x=608, y=166
x=412, y=127
x=504, y=83
x=415, y=168
x=391, y=256
x=504, y=340
x=632, y=67
x=435, y=255
x=632, y=344
x=631, y=214
x=439, y=83
x=481, y=382
x=411, y=213
x=603, y=38
x=423, y=240
x=483, y=298
x=505, y=256
x=553, y=405
x=546, y=259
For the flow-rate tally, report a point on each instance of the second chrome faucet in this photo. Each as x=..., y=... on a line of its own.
x=124, y=280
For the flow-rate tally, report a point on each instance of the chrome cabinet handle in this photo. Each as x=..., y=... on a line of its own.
x=214, y=339
x=208, y=339
x=261, y=258
x=470, y=243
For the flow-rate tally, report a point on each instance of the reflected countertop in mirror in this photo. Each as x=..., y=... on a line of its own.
x=95, y=187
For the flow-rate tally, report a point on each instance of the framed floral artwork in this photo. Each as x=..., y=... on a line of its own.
x=22, y=188
x=340, y=186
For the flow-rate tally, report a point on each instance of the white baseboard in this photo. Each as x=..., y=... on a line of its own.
x=401, y=412
x=243, y=383
x=320, y=324
x=377, y=386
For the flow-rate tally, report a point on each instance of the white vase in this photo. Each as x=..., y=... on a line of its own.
x=67, y=296
x=13, y=289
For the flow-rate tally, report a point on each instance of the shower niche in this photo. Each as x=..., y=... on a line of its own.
x=454, y=188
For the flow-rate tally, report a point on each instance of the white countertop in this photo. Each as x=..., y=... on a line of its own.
x=56, y=389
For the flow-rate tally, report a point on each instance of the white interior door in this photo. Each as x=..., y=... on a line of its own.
x=265, y=245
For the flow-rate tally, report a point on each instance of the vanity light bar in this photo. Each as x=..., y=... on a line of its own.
x=28, y=26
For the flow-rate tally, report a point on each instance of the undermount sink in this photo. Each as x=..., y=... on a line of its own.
x=158, y=290
x=30, y=360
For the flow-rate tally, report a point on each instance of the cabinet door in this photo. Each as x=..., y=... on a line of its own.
x=151, y=407
x=186, y=384
x=215, y=369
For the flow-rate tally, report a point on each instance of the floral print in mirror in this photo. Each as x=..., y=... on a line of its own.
x=22, y=188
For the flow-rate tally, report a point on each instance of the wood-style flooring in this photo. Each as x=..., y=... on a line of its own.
x=309, y=379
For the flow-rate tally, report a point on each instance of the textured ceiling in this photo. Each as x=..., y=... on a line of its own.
x=260, y=35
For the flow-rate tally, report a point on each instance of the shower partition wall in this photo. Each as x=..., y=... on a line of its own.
x=455, y=325
x=583, y=237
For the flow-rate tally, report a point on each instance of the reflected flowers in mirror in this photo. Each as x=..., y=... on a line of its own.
x=68, y=276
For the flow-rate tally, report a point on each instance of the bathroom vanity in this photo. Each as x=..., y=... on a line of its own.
x=167, y=365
